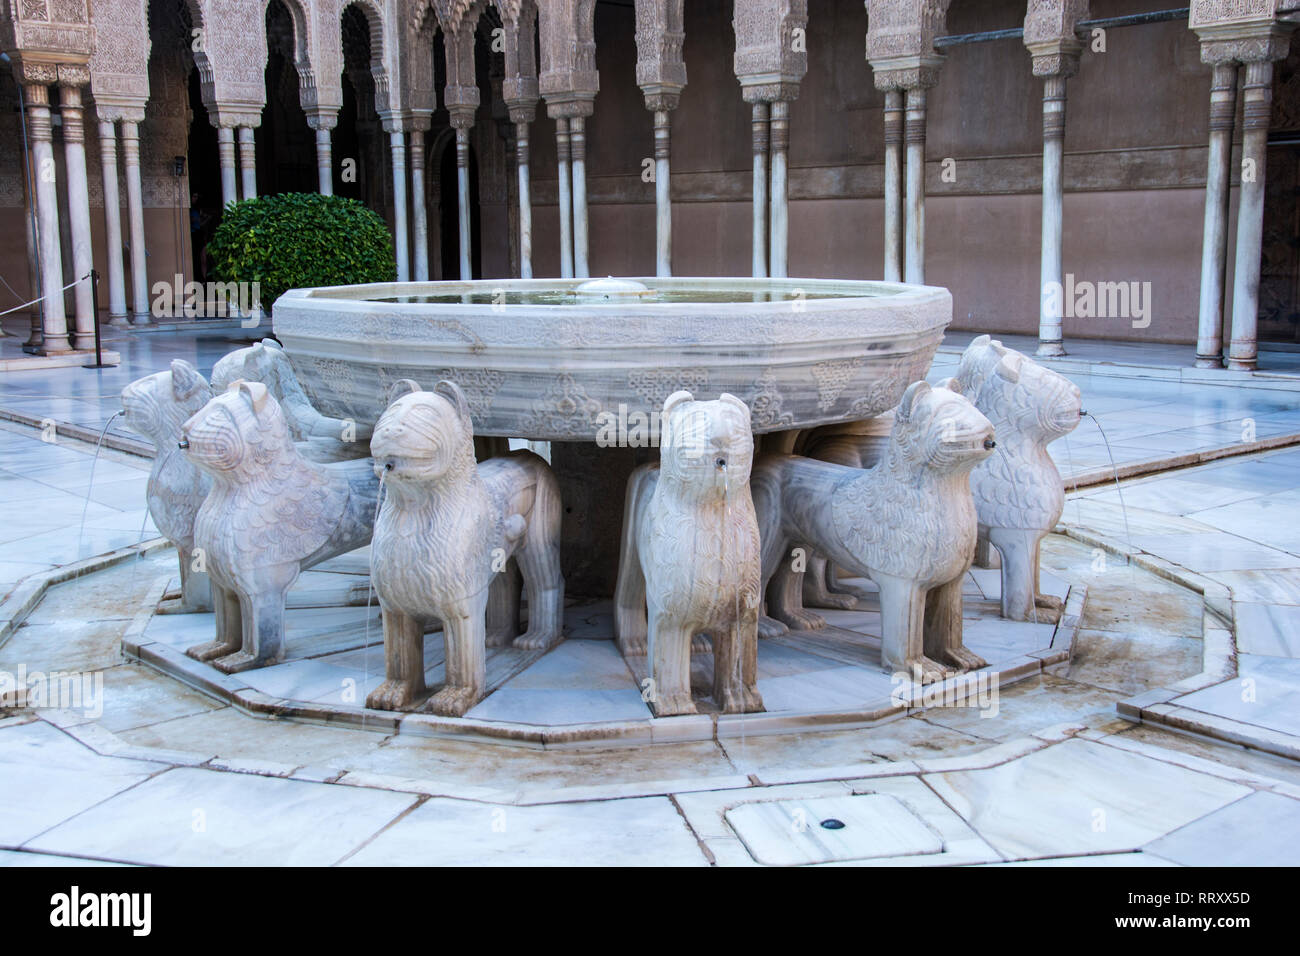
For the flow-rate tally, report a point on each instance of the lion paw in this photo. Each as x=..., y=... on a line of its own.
x=241, y=661
x=964, y=659
x=500, y=638
x=206, y=652
x=801, y=619
x=392, y=695
x=452, y=701
x=831, y=600
x=771, y=627
x=538, y=640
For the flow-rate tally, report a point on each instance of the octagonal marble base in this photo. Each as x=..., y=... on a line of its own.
x=582, y=692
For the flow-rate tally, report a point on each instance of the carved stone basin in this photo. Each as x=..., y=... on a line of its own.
x=543, y=358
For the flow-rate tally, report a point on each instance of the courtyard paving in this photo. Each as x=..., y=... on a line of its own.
x=1196, y=635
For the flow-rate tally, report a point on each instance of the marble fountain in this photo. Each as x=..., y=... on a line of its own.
x=379, y=402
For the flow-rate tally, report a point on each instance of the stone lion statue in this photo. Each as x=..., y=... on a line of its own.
x=156, y=407
x=443, y=538
x=908, y=523
x=1018, y=491
x=271, y=514
x=322, y=438
x=689, y=558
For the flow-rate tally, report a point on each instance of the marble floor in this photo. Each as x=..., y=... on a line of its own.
x=144, y=769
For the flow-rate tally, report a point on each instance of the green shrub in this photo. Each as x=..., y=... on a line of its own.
x=300, y=240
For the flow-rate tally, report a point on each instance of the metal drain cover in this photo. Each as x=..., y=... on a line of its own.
x=794, y=832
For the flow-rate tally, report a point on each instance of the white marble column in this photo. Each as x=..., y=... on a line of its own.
x=463, y=223
x=525, y=202
x=247, y=163
x=83, y=259
x=780, y=228
x=578, y=141
x=37, y=330
x=759, y=143
x=893, y=186
x=914, y=228
x=397, y=144
x=1214, y=244
x=112, y=225
x=565, y=197
x=1257, y=96
x=663, y=196
x=324, y=162
x=226, y=156
x=419, y=213
x=1050, y=333
x=135, y=216
x=54, y=336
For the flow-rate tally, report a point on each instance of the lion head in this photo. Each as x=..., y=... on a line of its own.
x=157, y=405
x=1016, y=393
x=706, y=445
x=938, y=428
x=241, y=433
x=423, y=436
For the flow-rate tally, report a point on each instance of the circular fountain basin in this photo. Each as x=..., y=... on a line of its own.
x=544, y=358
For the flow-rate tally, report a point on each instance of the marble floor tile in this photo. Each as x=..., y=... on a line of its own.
x=1080, y=797
x=1263, y=694
x=1268, y=520
x=1275, y=586
x=1269, y=629
x=1213, y=552
x=189, y=816
x=47, y=777
x=795, y=832
x=645, y=831
x=1262, y=829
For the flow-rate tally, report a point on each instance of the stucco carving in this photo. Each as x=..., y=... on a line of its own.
x=660, y=69
x=689, y=559
x=900, y=42
x=1050, y=35
x=770, y=59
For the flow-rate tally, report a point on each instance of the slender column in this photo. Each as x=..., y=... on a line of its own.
x=525, y=203
x=893, y=186
x=780, y=235
x=397, y=143
x=324, y=162
x=663, y=198
x=1214, y=245
x=1257, y=96
x=759, y=138
x=55, y=332
x=135, y=216
x=83, y=260
x=578, y=138
x=914, y=229
x=1050, y=333
x=226, y=156
x=33, y=261
x=419, y=216
x=112, y=225
x=462, y=202
x=247, y=162
x=566, y=203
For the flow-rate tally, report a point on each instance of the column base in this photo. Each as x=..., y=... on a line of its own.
x=1050, y=349
x=142, y=318
x=1242, y=365
x=1209, y=361
x=84, y=343
x=45, y=348
x=119, y=321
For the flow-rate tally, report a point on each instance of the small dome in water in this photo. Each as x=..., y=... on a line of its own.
x=609, y=286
